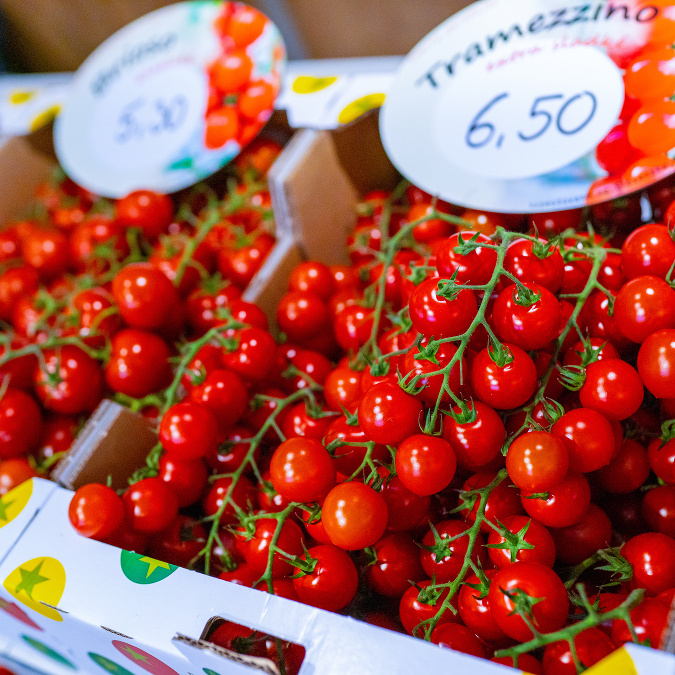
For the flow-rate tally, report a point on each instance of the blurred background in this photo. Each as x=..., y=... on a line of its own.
x=57, y=35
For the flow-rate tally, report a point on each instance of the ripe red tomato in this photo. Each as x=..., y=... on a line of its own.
x=474, y=609
x=144, y=295
x=257, y=549
x=444, y=548
x=652, y=556
x=510, y=586
x=540, y=263
x=581, y=540
x=473, y=268
x=566, y=504
x=627, y=470
x=222, y=496
x=658, y=509
x=644, y=305
x=187, y=478
x=435, y=316
x=536, y=461
x=150, y=505
x=478, y=438
x=419, y=605
x=649, y=619
x=253, y=356
x=504, y=387
x=302, y=470
x=188, y=430
x=529, y=326
x=20, y=423
x=138, y=363
x=224, y=394
x=96, y=511
x=302, y=314
x=458, y=637
x=591, y=645
x=588, y=437
x=649, y=249
x=313, y=277
x=15, y=471
x=388, y=415
x=332, y=583
x=80, y=384
x=425, y=464
x=354, y=516
x=613, y=388
x=395, y=562
x=150, y=211
x=538, y=545
x=656, y=363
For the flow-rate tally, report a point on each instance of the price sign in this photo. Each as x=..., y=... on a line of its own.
x=503, y=107
x=170, y=98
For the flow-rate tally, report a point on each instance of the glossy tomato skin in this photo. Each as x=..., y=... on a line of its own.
x=613, y=388
x=413, y=609
x=538, y=536
x=566, y=504
x=16, y=283
x=458, y=637
x=150, y=211
x=144, y=295
x=474, y=268
x=537, y=460
x=523, y=261
x=592, y=645
x=150, y=505
x=627, y=470
x=538, y=581
x=396, y=564
x=302, y=314
x=425, y=464
x=15, y=471
x=475, y=610
x=652, y=556
x=224, y=394
x=138, y=363
x=644, y=305
x=243, y=494
x=649, y=249
x=504, y=387
x=348, y=458
x=477, y=439
x=388, y=415
x=81, y=381
x=649, y=618
x=658, y=509
x=302, y=470
x=442, y=555
x=96, y=511
x=187, y=478
x=526, y=326
x=333, y=582
x=354, y=516
x=588, y=438
x=581, y=540
x=656, y=363
x=257, y=549
x=188, y=430
x=405, y=509
x=253, y=356
x=181, y=543
x=413, y=367
x=20, y=423
x=435, y=316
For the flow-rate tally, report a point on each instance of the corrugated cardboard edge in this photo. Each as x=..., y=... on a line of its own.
x=259, y=663
x=114, y=442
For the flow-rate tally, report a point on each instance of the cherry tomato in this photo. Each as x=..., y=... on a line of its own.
x=627, y=470
x=425, y=464
x=253, y=356
x=388, y=415
x=96, y=511
x=656, y=363
x=644, y=305
x=150, y=505
x=188, y=430
x=302, y=470
x=187, y=478
x=20, y=423
x=15, y=471
x=393, y=564
x=333, y=581
x=537, y=460
x=540, y=263
x=523, y=540
x=138, y=363
x=458, y=637
x=652, y=556
x=613, y=388
x=224, y=394
x=566, y=504
x=417, y=605
x=475, y=267
x=648, y=250
x=581, y=540
x=504, y=387
x=512, y=584
x=150, y=211
x=354, y=516
x=591, y=645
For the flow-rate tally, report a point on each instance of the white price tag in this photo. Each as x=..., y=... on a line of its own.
x=503, y=106
x=545, y=110
x=170, y=98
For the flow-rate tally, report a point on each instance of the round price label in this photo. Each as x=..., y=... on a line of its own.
x=171, y=98
x=520, y=106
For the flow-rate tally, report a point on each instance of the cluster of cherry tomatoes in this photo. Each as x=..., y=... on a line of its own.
x=463, y=434
x=94, y=293
x=459, y=436
x=239, y=104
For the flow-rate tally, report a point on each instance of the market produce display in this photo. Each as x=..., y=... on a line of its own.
x=463, y=435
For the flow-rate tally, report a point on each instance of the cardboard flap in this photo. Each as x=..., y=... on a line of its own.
x=114, y=442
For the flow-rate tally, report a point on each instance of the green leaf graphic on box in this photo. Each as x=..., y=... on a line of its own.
x=208, y=671
x=48, y=651
x=141, y=569
x=108, y=665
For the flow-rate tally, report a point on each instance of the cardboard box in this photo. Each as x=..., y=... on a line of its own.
x=90, y=603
